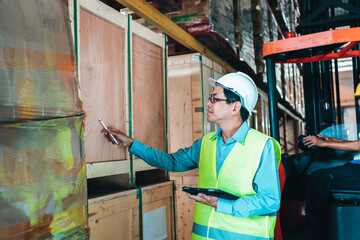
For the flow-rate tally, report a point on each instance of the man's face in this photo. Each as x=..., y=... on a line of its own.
x=218, y=111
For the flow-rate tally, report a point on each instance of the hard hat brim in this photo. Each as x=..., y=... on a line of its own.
x=212, y=82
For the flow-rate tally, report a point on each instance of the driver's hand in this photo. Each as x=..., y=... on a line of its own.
x=311, y=141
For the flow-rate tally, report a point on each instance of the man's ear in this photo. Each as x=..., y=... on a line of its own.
x=237, y=107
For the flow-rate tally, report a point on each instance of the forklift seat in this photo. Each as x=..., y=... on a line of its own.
x=344, y=214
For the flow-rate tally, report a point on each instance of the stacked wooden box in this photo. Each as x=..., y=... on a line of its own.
x=143, y=213
x=42, y=165
x=122, y=78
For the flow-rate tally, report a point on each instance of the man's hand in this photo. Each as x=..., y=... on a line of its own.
x=204, y=199
x=311, y=141
x=124, y=140
x=326, y=138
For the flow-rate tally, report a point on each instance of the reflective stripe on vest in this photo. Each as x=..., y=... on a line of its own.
x=236, y=177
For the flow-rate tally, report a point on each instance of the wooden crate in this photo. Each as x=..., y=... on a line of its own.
x=188, y=93
x=117, y=216
x=122, y=79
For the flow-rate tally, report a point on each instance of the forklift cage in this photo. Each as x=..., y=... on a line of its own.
x=316, y=47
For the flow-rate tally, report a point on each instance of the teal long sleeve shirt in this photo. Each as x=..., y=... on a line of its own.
x=266, y=201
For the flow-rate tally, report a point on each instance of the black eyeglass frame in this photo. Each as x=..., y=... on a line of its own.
x=214, y=99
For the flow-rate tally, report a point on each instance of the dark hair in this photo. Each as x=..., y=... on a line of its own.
x=233, y=97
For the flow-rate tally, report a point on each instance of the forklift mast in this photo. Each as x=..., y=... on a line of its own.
x=316, y=52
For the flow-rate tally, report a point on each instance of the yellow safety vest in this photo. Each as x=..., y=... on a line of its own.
x=236, y=177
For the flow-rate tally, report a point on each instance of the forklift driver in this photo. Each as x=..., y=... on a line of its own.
x=321, y=181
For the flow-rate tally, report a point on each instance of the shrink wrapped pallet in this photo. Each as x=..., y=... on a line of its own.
x=274, y=36
x=43, y=180
x=244, y=32
x=37, y=61
x=286, y=82
x=291, y=84
x=260, y=21
x=302, y=101
x=281, y=12
x=207, y=18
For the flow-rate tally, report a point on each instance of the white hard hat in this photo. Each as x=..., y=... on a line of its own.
x=242, y=85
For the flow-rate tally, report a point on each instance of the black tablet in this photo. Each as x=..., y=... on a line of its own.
x=210, y=191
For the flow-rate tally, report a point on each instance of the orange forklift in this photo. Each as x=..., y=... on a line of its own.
x=318, y=54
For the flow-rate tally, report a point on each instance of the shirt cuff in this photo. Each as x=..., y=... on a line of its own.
x=135, y=147
x=225, y=206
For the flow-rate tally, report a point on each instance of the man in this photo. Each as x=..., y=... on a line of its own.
x=235, y=159
x=322, y=181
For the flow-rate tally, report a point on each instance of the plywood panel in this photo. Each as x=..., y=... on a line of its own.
x=114, y=216
x=116, y=226
x=180, y=106
x=102, y=84
x=169, y=216
x=184, y=207
x=157, y=196
x=148, y=93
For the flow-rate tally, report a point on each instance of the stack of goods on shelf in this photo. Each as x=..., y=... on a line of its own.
x=276, y=34
x=286, y=82
x=211, y=22
x=42, y=165
x=244, y=32
x=260, y=19
x=299, y=92
x=292, y=87
x=287, y=14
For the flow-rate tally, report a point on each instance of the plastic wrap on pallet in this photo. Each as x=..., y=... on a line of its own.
x=217, y=14
x=37, y=61
x=302, y=107
x=292, y=15
x=43, y=180
x=291, y=85
x=273, y=27
x=244, y=32
x=286, y=83
x=278, y=79
x=259, y=12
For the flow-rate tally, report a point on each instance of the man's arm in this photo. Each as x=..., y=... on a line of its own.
x=267, y=188
x=183, y=160
x=332, y=143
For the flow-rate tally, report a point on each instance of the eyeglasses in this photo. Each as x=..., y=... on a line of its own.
x=213, y=99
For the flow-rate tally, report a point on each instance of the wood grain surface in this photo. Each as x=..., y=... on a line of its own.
x=102, y=66
x=148, y=93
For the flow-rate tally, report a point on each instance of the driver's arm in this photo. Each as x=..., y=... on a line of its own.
x=339, y=144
